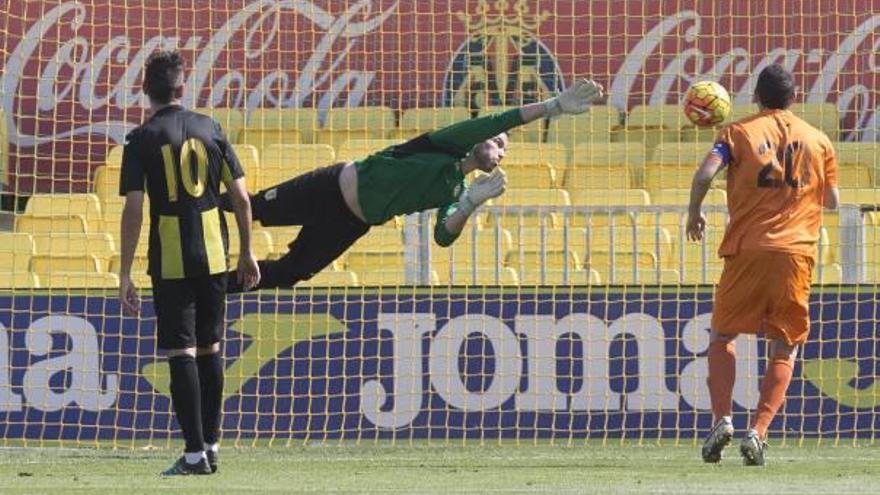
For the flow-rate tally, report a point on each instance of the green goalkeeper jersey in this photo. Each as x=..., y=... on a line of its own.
x=425, y=172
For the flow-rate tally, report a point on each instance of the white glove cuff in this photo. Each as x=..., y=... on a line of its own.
x=553, y=107
x=466, y=205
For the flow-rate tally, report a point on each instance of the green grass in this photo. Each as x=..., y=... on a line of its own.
x=445, y=469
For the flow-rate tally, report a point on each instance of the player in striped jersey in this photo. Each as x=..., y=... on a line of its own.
x=182, y=157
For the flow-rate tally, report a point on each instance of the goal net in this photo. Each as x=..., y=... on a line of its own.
x=571, y=308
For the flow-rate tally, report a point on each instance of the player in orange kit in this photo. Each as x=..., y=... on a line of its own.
x=780, y=173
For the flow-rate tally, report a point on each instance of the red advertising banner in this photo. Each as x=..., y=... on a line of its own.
x=71, y=71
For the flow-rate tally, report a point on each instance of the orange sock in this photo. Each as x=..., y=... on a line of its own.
x=722, y=376
x=773, y=388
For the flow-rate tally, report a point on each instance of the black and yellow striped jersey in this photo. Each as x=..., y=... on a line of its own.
x=181, y=157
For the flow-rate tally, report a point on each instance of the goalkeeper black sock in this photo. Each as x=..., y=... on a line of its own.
x=211, y=384
x=186, y=398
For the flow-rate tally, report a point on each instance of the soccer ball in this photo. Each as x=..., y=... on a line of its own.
x=707, y=103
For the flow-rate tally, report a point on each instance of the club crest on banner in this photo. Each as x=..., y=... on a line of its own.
x=503, y=62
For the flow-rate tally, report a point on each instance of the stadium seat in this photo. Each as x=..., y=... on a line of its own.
x=331, y=278
x=16, y=250
x=466, y=275
x=231, y=120
x=381, y=249
x=823, y=116
x=98, y=244
x=672, y=165
x=644, y=246
x=47, y=224
x=281, y=238
x=391, y=276
x=417, y=121
x=346, y=124
x=609, y=198
x=537, y=175
x=830, y=274
x=138, y=265
x=605, y=166
x=653, y=124
x=681, y=197
x=263, y=137
x=114, y=156
x=79, y=280
x=87, y=205
x=304, y=121
x=644, y=276
x=4, y=150
x=282, y=162
x=582, y=276
x=484, y=249
x=18, y=279
x=249, y=158
x=105, y=182
x=44, y=265
x=591, y=128
x=532, y=132
x=514, y=198
x=358, y=149
x=858, y=163
x=521, y=153
x=864, y=197
x=261, y=242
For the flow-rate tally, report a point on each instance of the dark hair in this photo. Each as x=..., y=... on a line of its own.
x=775, y=87
x=162, y=74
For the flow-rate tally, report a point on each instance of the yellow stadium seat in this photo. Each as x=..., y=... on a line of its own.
x=514, y=198
x=611, y=198
x=646, y=276
x=858, y=163
x=302, y=120
x=381, y=249
x=593, y=127
x=642, y=246
x=87, y=205
x=605, y=166
x=823, y=116
x=860, y=196
x=47, y=224
x=79, y=280
x=16, y=250
x=830, y=274
x=19, y=279
x=467, y=275
x=653, y=124
x=532, y=132
x=231, y=120
x=681, y=197
x=390, y=276
x=672, y=165
x=358, y=149
x=331, y=278
x=583, y=276
x=261, y=242
x=100, y=245
x=520, y=153
x=283, y=162
x=111, y=208
x=262, y=137
x=346, y=124
x=281, y=238
x=114, y=156
x=138, y=265
x=249, y=158
x=417, y=121
x=4, y=149
x=79, y=263
x=537, y=175
x=485, y=250
x=105, y=183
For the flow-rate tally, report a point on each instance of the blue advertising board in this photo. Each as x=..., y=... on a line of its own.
x=418, y=363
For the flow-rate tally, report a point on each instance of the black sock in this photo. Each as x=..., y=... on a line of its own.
x=187, y=400
x=211, y=383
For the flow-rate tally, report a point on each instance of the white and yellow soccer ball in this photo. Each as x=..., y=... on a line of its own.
x=707, y=103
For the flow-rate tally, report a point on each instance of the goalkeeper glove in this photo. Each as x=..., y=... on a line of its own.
x=577, y=98
x=482, y=189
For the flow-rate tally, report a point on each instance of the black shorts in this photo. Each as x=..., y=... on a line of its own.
x=190, y=312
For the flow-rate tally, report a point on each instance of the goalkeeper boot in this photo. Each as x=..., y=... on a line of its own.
x=213, y=459
x=718, y=438
x=753, y=449
x=183, y=468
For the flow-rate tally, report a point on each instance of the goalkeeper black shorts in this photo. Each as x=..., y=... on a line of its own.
x=190, y=312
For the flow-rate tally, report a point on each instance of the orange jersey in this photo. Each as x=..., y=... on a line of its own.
x=779, y=169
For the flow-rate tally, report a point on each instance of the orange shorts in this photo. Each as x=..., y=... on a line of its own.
x=764, y=291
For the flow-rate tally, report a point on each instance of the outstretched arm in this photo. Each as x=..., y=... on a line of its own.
x=452, y=218
x=712, y=164
x=463, y=136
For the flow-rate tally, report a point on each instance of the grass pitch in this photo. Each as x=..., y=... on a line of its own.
x=446, y=469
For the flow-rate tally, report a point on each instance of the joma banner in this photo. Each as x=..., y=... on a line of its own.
x=483, y=363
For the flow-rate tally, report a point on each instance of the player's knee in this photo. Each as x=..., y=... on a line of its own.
x=780, y=349
x=187, y=351
x=211, y=349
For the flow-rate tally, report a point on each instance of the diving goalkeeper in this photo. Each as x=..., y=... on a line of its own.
x=338, y=204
